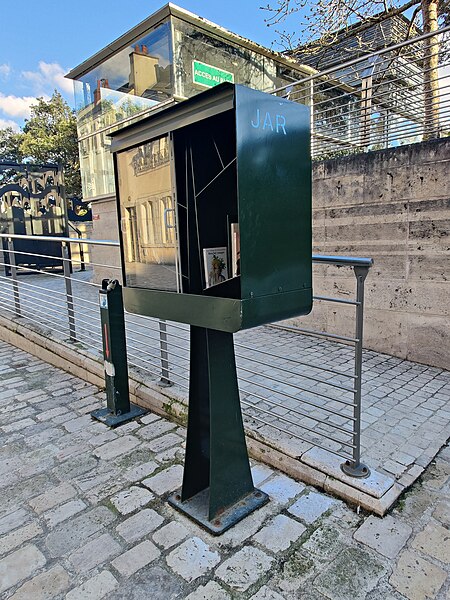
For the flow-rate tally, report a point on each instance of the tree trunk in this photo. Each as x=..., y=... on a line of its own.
x=430, y=80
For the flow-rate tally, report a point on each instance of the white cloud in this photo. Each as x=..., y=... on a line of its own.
x=16, y=106
x=47, y=77
x=4, y=123
x=5, y=70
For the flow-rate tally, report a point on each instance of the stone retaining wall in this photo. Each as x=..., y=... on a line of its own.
x=394, y=206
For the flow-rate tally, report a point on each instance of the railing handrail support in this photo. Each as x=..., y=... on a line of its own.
x=355, y=468
x=69, y=293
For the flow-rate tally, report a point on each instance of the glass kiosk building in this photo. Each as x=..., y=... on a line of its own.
x=171, y=56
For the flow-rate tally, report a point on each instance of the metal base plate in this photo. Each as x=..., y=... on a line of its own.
x=105, y=415
x=361, y=471
x=196, y=508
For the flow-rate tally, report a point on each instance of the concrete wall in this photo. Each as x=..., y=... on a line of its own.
x=393, y=206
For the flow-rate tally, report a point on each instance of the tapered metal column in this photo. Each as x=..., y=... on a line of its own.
x=217, y=489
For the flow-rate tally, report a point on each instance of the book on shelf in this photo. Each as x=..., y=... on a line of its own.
x=235, y=250
x=215, y=265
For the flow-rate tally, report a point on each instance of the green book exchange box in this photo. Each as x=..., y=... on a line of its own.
x=214, y=200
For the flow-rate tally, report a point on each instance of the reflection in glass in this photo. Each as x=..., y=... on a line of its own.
x=148, y=216
x=133, y=80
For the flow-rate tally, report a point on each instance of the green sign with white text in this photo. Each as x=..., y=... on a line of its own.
x=208, y=75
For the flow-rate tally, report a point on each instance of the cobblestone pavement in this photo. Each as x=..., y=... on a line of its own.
x=83, y=515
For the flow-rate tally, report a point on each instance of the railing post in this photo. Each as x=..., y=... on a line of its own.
x=83, y=266
x=15, y=283
x=69, y=295
x=355, y=467
x=163, y=347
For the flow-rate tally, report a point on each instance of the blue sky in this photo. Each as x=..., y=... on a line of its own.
x=44, y=39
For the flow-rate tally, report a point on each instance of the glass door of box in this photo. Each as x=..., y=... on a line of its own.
x=148, y=216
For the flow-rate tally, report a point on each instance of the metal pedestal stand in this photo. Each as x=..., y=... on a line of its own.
x=217, y=489
x=118, y=409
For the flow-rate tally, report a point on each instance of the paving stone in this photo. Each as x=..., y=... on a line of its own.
x=140, y=471
x=266, y=593
x=137, y=557
x=156, y=429
x=57, y=515
x=78, y=423
x=387, y=535
x=24, y=490
x=94, y=553
x=73, y=533
x=434, y=540
x=171, y=534
x=97, y=476
x=13, y=520
x=416, y=578
x=117, y=447
x=163, y=443
x=260, y=473
x=18, y=425
x=192, y=559
x=95, y=588
x=325, y=543
x=151, y=583
x=149, y=418
x=437, y=475
x=279, y=534
x=311, y=506
x=45, y=586
x=281, y=488
x=295, y=571
x=100, y=437
x=139, y=525
x=57, y=495
x=166, y=481
x=442, y=512
x=53, y=412
x=351, y=576
x=19, y=565
x=131, y=499
x=210, y=591
x=244, y=568
x=171, y=454
x=18, y=537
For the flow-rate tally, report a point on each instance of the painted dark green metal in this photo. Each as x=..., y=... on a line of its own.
x=274, y=186
x=118, y=409
x=270, y=178
x=239, y=156
x=217, y=474
x=224, y=314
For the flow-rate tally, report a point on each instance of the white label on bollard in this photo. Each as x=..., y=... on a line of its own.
x=109, y=368
x=103, y=301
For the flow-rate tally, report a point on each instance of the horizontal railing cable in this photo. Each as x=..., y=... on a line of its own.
x=296, y=361
x=281, y=418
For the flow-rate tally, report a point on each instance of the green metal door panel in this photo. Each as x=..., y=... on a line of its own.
x=274, y=187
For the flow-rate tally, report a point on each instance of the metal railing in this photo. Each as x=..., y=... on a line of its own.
x=305, y=387
x=379, y=100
